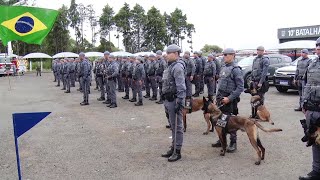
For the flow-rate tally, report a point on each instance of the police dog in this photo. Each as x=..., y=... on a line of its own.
x=262, y=111
x=235, y=123
x=197, y=105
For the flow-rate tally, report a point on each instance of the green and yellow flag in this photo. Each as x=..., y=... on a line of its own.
x=28, y=24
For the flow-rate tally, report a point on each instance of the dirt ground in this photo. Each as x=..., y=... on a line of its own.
x=96, y=142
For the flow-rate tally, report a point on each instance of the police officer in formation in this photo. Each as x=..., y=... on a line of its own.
x=119, y=78
x=112, y=73
x=161, y=64
x=58, y=72
x=99, y=73
x=130, y=76
x=85, y=77
x=174, y=92
x=198, y=74
x=63, y=72
x=147, y=80
x=137, y=76
x=230, y=86
x=190, y=72
x=302, y=66
x=96, y=63
x=152, y=77
x=259, y=76
x=311, y=106
x=54, y=69
x=106, y=55
x=209, y=76
x=203, y=60
x=218, y=67
x=72, y=72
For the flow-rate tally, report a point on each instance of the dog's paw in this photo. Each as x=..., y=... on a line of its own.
x=222, y=153
x=257, y=163
x=205, y=133
x=211, y=130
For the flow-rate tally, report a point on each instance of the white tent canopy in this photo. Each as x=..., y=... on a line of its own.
x=65, y=55
x=299, y=44
x=93, y=54
x=121, y=53
x=37, y=55
x=6, y=55
x=144, y=53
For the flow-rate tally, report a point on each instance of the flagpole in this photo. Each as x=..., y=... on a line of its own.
x=17, y=149
x=5, y=64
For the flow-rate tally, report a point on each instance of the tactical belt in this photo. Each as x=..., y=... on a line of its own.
x=311, y=106
x=169, y=97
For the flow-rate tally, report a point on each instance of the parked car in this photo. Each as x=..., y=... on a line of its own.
x=276, y=61
x=5, y=66
x=236, y=60
x=283, y=78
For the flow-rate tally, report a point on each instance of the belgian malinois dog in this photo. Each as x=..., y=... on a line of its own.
x=262, y=111
x=197, y=105
x=235, y=123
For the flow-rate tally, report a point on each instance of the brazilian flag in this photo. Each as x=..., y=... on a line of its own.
x=27, y=24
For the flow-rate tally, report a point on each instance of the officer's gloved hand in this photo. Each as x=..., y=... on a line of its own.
x=179, y=105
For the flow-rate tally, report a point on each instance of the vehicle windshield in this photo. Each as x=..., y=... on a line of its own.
x=2, y=60
x=246, y=61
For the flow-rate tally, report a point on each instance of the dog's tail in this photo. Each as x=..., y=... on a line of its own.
x=267, y=130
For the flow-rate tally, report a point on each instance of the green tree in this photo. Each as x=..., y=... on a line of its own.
x=74, y=17
x=138, y=24
x=178, y=24
x=106, y=46
x=155, y=30
x=6, y=2
x=211, y=48
x=122, y=20
x=106, y=21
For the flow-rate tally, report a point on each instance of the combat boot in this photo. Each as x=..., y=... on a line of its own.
x=153, y=98
x=298, y=109
x=63, y=89
x=108, y=101
x=160, y=101
x=125, y=97
x=84, y=103
x=101, y=99
x=138, y=103
x=57, y=85
x=67, y=92
x=168, y=126
x=196, y=95
x=217, y=144
x=232, y=147
x=147, y=96
x=168, y=153
x=133, y=100
x=175, y=156
x=313, y=175
x=113, y=106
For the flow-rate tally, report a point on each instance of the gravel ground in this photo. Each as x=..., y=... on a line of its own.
x=96, y=142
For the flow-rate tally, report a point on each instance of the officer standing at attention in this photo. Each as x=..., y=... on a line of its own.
x=147, y=80
x=230, y=86
x=112, y=74
x=137, y=75
x=302, y=66
x=160, y=66
x=85, y=78
x=203, y=60
x=311, y=99
x=198, y=74
x=218, y=68
x=58, y=74
x=99, y=74
x=190, y=71
x=72, y=73
x=209, y=76
x=105, y=80
x=259, y=75
x=152, y=77
x=130, y=76
x=63, y=73
x=54, y=69
x=174, y=92
x=67, y=75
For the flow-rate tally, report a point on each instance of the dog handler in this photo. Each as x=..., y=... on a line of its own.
x=174, y=94
x=230, y=86
x=311, y=107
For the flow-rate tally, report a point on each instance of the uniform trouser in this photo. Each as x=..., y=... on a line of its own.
x=58, y=78
x=188, y=86
x=313, y=116
x=106, y=81
x=147, y=84
x=131, y=85
x=301, y=84
x=112, y=91
x=197, y=84
x=120, y=83
x=202, y=83
x=86, y=88
x=101, y=86
x=159, y=81
x=231, y=108
x=64, y=81
x=80, y=83
x=38, y=73
x=96, y=80
x=73, y=79
x=67, y=81
x=55, y=76
x=137, y=89
x=126, y=85
x=154, y=85
x=210, y=85
x=170, y=107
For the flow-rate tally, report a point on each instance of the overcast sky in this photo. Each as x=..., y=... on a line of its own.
x=240, y=24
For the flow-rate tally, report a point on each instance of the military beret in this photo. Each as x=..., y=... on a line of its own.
x=305, y=51
x=210, y=55
x=81, y=54
x=195, y=52
x=173, y=48
x=260, y=48
x=106, y=53
x=111, y=56
x=151, y=55
x=159, y=52
x=199, y=52
x=187, y=52
x=139, y=58
x=229, y=51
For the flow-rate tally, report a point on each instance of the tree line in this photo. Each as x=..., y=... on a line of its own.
x=141, y=30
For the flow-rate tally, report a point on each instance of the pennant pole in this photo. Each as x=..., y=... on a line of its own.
x=17, y=149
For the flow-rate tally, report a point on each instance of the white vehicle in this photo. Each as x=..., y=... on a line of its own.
x=6, y=67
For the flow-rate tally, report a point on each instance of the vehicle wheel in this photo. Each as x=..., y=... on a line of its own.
x=247, y=80
x=282, y=89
